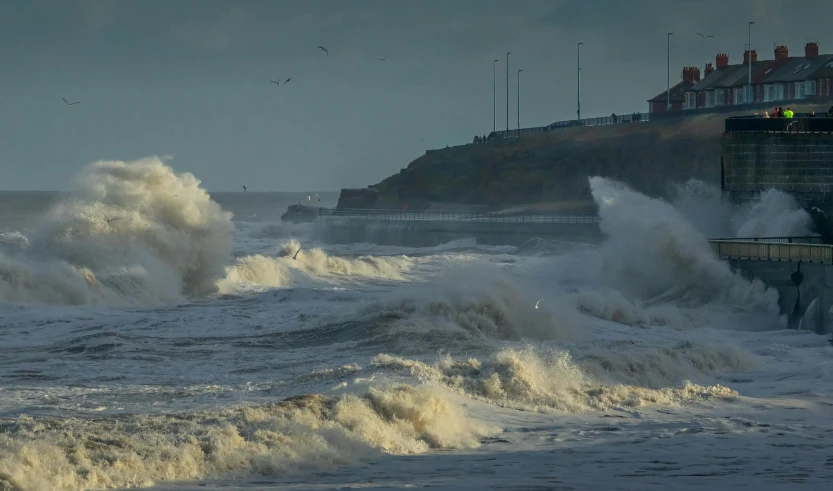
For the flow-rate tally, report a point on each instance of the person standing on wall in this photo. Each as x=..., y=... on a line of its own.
x=788, y=113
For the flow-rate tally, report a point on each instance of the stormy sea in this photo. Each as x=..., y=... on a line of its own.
x=156, y=335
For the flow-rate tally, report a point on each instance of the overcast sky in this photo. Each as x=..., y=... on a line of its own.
x=190, y=78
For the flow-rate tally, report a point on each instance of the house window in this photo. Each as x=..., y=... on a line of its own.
x=740, y=95
x=770, y=93
x=780, y=92
x=810, y=87
x=710, y=98
x=691, y=100
x=799, y=90
x=720, y=97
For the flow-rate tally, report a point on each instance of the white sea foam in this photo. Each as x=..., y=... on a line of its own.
x=301, y=433
x=619, y=369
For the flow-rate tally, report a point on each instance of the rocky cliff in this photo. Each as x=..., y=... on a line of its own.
x=553, y=167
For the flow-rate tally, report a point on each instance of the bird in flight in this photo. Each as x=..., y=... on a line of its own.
x=287, y=80
x=322, y=48
x=244, y=188
x=319, y=197
x=704, y=36
x=70, y=104
x=538, y=302
x=278, y=82
x=109, y=220
x=383, y=59
x=296, y=252
x=298, y=208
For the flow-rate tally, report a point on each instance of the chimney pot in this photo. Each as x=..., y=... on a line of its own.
x=746, y=56
x=721, y=60
x=811, y=49
x=691, y=73
x=781, y=52
x=708, y=70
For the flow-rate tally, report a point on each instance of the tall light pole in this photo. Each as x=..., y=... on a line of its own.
x=578, y=84
x=668, y=75
x=749, y=84
x=519, y=102
x=494, y=96
x=507, y=92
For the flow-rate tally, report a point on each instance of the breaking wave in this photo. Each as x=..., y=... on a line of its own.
x=167, y=238
x=305, y=432
x=548, y=380
x=137, y=233
x=287, y=269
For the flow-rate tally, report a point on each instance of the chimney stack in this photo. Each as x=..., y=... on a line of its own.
x=781, y=53
x=691, y=73
x=721, y=60
x=811, y=49
x=746, y=57
x=708, y=70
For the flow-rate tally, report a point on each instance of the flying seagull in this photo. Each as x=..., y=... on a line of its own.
x=322, y=48
x=296, y=252
x=383, y=59
x=287, y=80
x=704, y=36
x=109, y=220
x=244, y=188
x=319, y=197
x=70, y=104
x=536, y=303
x=276, y=83
x=298, y=208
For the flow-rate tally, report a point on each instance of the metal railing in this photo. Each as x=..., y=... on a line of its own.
x=813, y=239
x=768, y=251
x=800, y=124
x=438, y=215
x=822, y=102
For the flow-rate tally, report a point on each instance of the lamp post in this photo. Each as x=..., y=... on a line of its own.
x=749, y=76
x=507, y=92
x=578, y=84
x=494, y=96
x=668, y=77
x=519, y=102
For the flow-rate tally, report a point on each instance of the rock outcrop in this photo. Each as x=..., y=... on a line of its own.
x=553, y=167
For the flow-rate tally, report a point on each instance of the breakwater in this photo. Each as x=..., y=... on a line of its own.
x=431, y=228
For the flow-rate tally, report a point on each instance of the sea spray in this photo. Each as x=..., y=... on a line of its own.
x=171, y=239
x=771, y=213
x=652, y=250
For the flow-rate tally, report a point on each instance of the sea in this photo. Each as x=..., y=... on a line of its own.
x=156, y=335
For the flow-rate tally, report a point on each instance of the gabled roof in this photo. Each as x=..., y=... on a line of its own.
x=825, y=70
x=793, y=69
x=677, y=92
x=712, y=79
x=735, y=76
x=798, y=69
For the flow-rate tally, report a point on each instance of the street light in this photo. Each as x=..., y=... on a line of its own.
x=519, y=102
x=494, y=96
x=578, y=84
x=507, y=93
x=668, y=75
x=749, y=84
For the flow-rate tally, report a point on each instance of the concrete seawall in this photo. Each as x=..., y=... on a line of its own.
x=802, y=274
x=800, y=164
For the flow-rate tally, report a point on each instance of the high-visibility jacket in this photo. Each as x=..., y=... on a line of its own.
x=788, y=113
